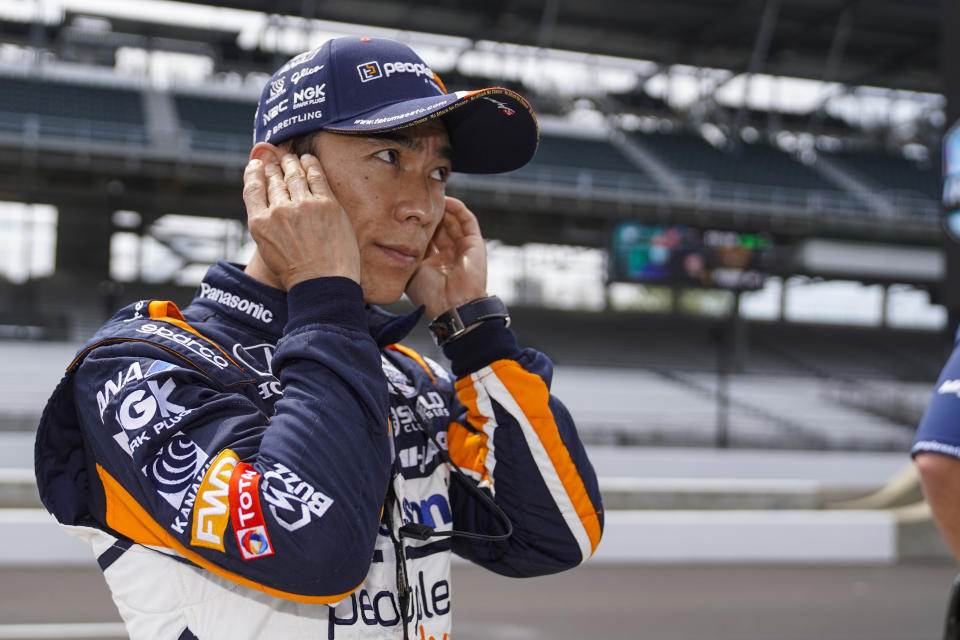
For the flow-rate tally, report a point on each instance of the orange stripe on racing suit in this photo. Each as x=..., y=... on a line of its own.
x=508, y=383
x=126, y=517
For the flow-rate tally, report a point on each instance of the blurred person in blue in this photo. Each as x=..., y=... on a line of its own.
x=936, y=453
x=269, y=462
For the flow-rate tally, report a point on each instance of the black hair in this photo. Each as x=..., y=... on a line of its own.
x=302, y=144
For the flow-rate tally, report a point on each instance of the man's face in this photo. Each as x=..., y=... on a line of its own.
x=392, y=187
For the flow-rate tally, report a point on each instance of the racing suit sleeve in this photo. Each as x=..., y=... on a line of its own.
x=521, y=444
x=288, y=503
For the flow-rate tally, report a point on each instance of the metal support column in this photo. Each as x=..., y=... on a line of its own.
x=757, y=60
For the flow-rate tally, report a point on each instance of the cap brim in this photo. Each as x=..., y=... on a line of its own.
x=491, y=130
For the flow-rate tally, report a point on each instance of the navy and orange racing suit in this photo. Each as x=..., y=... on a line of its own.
x=265, y=464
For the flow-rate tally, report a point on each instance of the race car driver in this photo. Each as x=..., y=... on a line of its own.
x=269, y=462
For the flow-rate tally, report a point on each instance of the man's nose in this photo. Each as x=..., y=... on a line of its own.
x=415, y=201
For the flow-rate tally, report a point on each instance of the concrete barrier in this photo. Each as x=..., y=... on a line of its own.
x=788, y=536
x=32, y=537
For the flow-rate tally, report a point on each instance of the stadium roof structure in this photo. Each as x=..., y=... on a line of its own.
x=95, y=141
x=885, y=43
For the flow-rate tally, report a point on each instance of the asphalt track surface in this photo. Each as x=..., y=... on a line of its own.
x=904, y=602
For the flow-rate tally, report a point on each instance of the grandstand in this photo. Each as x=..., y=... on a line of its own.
x=79, y=133
x=130, y=158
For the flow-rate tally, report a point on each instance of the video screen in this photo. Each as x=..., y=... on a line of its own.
x=687, y=256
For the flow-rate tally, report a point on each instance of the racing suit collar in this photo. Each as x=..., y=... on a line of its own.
x=227, y=289
x=389, y=328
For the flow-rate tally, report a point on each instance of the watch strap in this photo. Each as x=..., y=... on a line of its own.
x=454, y=322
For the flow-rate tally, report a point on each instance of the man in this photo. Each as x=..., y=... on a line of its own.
x=268, y=462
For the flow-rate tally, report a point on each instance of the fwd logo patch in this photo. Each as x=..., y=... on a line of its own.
x=369, y=71
x=211, y=512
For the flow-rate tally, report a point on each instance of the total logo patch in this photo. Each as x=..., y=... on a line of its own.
x=246, y=514
x=254, y=542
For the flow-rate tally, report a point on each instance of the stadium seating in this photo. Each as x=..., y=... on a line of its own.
x=51, y=108
x=212, y=124
x=584, y=163
x=752, y=172
x=894, y=176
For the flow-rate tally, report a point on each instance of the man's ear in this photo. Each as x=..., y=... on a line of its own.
x=267, y=153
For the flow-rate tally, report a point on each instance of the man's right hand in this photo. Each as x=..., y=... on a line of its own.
x=300, y=229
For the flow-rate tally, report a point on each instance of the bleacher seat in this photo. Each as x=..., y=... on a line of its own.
x=215, y=124
x=892, y=173
x=749, y=172
x=45, y=107
x=583, y=162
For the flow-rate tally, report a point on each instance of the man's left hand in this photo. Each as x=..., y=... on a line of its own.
x=454, y=271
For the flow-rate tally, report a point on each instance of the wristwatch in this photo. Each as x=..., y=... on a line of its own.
x=452, y=324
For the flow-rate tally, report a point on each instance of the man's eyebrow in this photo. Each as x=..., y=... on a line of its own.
x=410, y=142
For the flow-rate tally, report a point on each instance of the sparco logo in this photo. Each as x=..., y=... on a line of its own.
x=138, y=408
x=187, y=341
x=253, y=309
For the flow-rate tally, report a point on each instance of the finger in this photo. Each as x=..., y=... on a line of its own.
x=254, y=187
x=276, y=188
x=316, y=180
x=451, y=226
x=442, y=240
x=295, y=178
x=465, y=218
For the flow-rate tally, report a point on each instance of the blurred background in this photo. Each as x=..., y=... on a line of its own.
x=736, y=241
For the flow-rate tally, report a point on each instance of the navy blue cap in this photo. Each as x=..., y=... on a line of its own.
x=371, y=85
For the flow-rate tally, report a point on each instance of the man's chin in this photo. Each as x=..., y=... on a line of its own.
x=381, y=297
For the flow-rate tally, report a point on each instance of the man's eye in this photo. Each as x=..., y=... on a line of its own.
x=440, y=173
x=387, y=155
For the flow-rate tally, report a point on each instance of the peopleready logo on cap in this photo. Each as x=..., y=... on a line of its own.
x=373, y=85
x=371, y=70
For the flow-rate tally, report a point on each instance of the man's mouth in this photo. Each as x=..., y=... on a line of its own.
x=401, y=253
